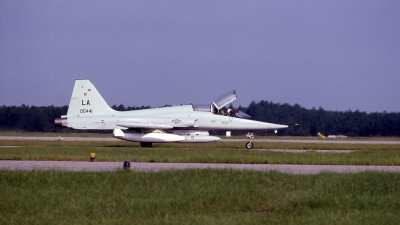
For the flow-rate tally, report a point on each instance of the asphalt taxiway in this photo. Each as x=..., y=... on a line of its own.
x=154, y=167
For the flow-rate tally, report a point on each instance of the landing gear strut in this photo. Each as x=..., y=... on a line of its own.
x=249, y=145
x=145, y=144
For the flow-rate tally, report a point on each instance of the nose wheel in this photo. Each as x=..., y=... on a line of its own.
x=249, y=145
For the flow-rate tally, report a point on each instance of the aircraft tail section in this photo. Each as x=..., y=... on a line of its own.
x=87, y=101
x=87, y=109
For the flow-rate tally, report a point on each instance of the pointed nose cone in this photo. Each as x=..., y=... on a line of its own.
x=279, y=126
x=257, y=125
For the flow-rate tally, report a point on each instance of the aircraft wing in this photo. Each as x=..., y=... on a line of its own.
x=145, y=125
x=157, y=123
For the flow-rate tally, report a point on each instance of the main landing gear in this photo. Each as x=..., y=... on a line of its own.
x=146, y=144
x=249, y=145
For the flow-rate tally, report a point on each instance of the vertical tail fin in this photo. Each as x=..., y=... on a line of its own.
x=86, y=100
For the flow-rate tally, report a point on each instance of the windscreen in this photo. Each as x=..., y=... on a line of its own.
x=241, y=114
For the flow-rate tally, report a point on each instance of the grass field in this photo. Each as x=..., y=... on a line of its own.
x=219, y=152
x=198, y=197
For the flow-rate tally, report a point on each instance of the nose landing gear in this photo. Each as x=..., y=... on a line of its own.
x=249, y=145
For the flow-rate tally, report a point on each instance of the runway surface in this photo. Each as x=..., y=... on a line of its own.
x=142, y=166
x=324, y=141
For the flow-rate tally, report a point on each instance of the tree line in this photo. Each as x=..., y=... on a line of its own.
x=312, y=121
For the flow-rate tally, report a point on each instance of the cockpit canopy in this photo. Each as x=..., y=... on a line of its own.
x=219, y=103
x=225, y=99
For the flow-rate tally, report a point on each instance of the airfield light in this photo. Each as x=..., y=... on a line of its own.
x=127, y=165
x=92, y=157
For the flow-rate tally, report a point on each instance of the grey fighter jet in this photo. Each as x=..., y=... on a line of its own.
x=183, y=124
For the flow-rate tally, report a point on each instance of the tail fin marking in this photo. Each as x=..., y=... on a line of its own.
x=86, y=100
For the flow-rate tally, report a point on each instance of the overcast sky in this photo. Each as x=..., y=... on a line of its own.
x=338, y=55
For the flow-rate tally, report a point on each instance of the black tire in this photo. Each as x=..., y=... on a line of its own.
x=249, y=145
x=146, y=144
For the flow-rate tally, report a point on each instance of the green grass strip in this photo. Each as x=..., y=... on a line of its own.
x=198, y=197
x=202, y=153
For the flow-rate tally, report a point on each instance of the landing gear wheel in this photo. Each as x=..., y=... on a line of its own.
x=145, y=144
x=249, y=145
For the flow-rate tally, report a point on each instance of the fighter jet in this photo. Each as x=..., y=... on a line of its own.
x=184, y=124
